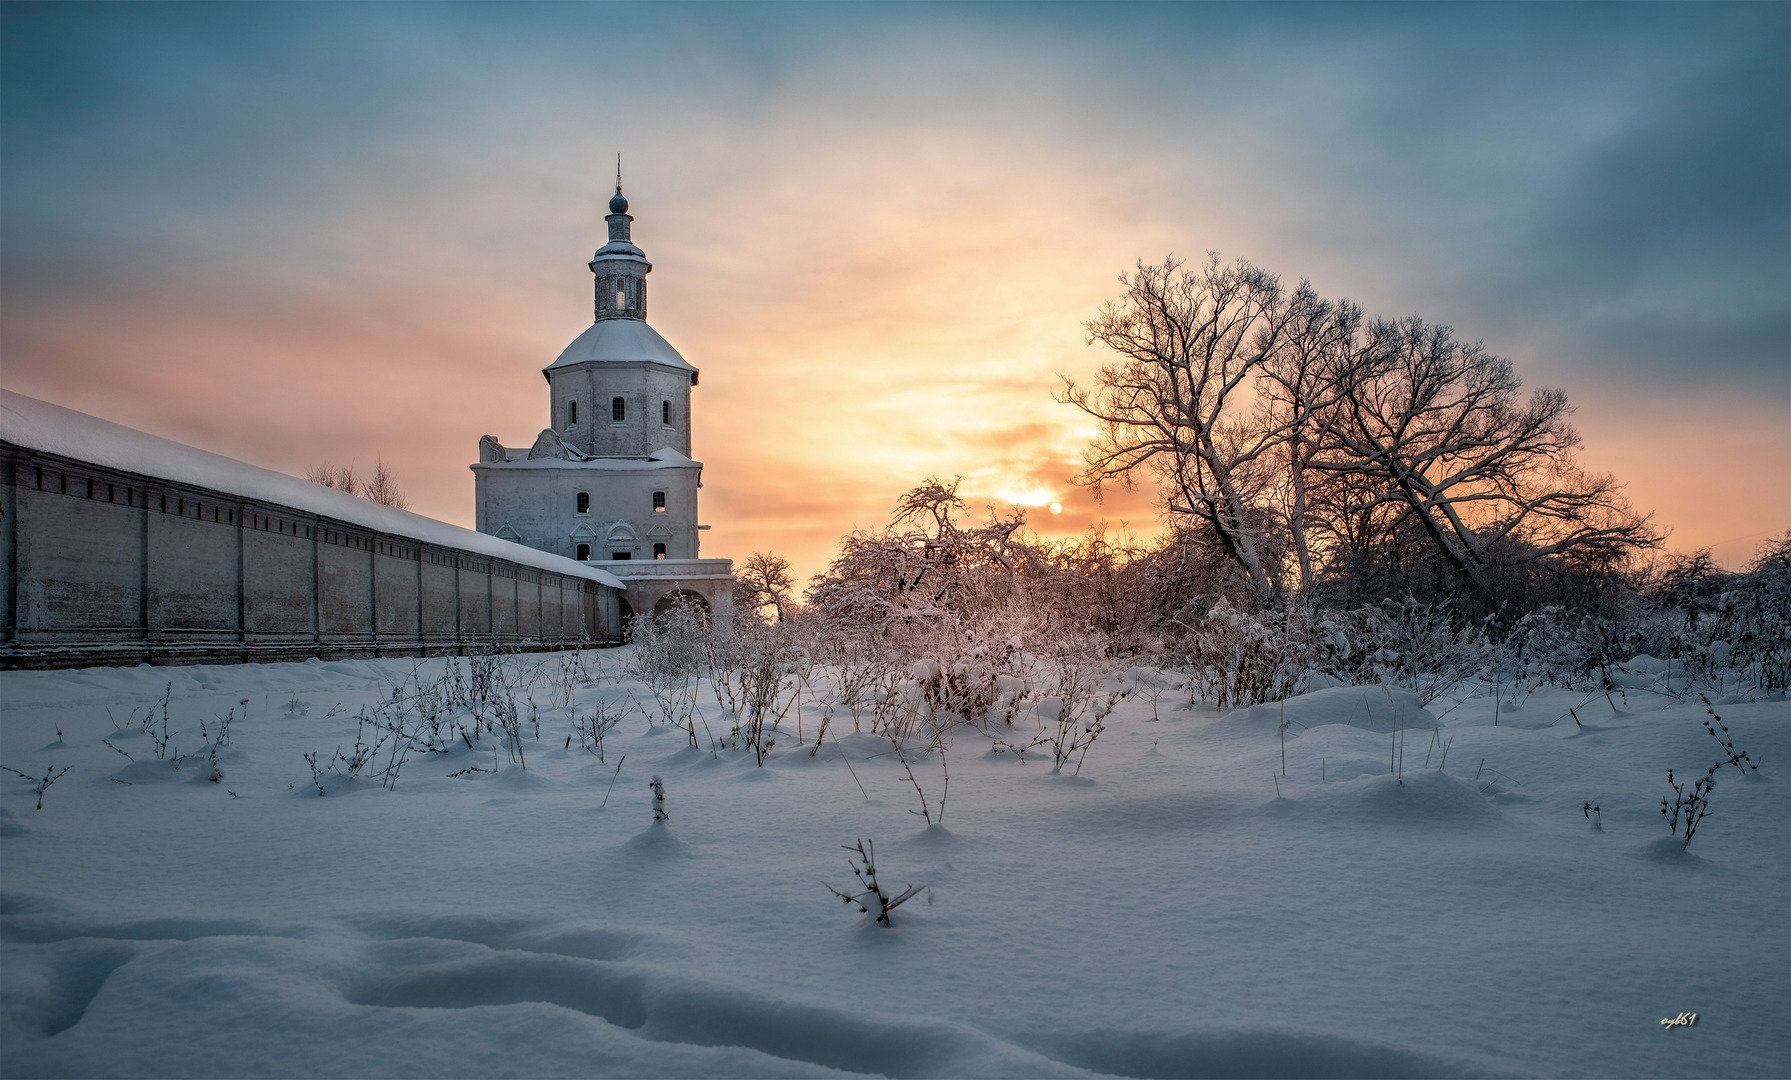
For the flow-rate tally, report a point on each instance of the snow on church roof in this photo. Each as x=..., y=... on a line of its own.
x=52, y=429
x=517, y=457
x=614, y=340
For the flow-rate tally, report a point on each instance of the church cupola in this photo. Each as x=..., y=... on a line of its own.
x=620, y=267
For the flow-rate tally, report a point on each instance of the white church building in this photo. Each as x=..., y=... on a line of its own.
x=611, y=479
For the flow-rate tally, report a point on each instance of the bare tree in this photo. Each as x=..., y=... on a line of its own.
x=1436, y=428
x=334, y=477
x=379, y=487
x=764, y=581
x=1181, y=401
x=1301, y=383
x=924, y=563
x=1299, y=437
x=382, y=488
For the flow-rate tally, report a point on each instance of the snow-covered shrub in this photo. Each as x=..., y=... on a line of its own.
x=1545, y=647
x=1417, y=646
x=1688, y=806
x=1748, y=632
x=373, y=735
x=921, y=683
x=660, y=813
x=574, y=668
x=973, y=671
x=1731, y=756
x=670, y=649
x=926, y=809
x=862, y=675
x=39, y=784
x=1237, y=658
x=217, y=739
x=154, y=723
x=1726, y=632
x=591, y=726
x=757, y=671
x=1074, y=707
x=490, y=689
x=870, y=895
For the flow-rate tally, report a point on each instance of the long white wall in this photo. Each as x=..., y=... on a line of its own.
x=106, y=566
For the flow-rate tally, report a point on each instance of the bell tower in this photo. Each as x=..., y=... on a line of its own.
x=620, y=268
x=611, y=478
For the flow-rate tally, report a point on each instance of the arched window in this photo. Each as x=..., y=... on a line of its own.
x=572, y=414
x=618, y=410
x=621, y=297
x=584, y=502
x=584, y=553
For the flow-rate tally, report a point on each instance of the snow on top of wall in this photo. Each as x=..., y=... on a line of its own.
x=620, y=340
x=52, y=429
x=665, y=458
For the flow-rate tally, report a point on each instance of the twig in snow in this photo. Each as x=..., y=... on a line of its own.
x=39, y=784
x=612, y=782
x=872, y=894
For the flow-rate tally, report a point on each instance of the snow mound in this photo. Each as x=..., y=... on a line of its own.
x=1150, y=678
x=1262, y=1052
x=1420, y=797
x=1371, y=708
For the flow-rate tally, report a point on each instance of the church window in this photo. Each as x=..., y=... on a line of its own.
x=621, y=556
x=665, y=413
x=659, y=502
x=584, y=502
x=659, y=551
x=621, y=297
x=584, y=553
x=618, y=410
x=572, y=414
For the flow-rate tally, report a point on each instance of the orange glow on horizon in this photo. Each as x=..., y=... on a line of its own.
x=855, y=339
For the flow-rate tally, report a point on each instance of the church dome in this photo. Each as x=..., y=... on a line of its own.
x=619, y=249
x=621, y=341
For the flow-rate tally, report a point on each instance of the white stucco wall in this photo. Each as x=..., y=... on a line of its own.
x=537, y=501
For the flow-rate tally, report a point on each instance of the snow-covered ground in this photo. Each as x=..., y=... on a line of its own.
x=1164, y=913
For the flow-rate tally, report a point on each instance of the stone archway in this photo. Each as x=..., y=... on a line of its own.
x=684, y=599
x=625, y=617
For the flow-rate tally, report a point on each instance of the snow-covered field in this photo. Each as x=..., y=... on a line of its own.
x=1164, y=913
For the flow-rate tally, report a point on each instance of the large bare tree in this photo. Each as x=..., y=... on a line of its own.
x=1438, y=428
x=1302, y=437
x=1181, y=402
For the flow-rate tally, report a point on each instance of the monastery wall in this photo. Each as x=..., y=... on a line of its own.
x=100, y=565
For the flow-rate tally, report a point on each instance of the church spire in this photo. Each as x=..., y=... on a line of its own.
x=618, y=203
x=620, y=267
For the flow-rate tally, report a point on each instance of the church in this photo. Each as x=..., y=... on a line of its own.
x=611, y=480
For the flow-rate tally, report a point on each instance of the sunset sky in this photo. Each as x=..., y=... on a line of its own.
x=304, y=234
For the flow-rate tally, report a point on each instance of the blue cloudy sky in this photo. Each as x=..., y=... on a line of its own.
x=304, y=233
